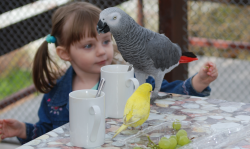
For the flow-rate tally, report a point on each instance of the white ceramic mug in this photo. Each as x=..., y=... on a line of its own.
x=119, y=86
x=86, y=118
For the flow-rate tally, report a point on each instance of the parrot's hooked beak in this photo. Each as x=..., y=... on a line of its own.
x=102, y=27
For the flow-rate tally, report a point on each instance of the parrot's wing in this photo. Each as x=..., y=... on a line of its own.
x=132, y=120
x=135, y=110
x=128, y=111
x=162, y=51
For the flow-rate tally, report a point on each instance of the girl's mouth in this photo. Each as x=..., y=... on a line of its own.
x=102, y=62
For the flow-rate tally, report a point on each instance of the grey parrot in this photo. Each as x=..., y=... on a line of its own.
x=150, y=53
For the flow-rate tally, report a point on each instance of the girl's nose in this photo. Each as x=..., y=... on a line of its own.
x=100, y=50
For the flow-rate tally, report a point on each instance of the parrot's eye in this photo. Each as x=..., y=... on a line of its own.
x=114, y=18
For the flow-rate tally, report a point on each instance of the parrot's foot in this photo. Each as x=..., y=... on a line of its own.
x=165, y=96
x=154, y=97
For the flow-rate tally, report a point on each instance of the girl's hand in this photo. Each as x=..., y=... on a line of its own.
x=208, y=73
x=12, y=128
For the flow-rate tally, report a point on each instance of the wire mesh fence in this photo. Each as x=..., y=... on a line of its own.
x=217, y=31
x=27, y=27
x=23, y=29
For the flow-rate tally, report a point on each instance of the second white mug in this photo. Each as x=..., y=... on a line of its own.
x=119, y=86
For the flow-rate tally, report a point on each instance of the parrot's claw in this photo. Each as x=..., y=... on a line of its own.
x=153, y=98
x=165, y=96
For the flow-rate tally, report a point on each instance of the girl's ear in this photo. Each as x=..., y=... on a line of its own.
x=63, y=53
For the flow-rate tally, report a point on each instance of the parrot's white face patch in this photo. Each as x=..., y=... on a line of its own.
x=113, y=19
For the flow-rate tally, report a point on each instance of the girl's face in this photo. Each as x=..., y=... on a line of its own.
x=89, y=55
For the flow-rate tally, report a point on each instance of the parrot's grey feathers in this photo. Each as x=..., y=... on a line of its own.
x=140, y=46
x=152, y=37
x=161, y=57
x=150, y=53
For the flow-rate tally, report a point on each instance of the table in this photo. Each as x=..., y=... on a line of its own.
x=214, y=113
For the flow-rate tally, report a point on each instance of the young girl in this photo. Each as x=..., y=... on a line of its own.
x=75, y=37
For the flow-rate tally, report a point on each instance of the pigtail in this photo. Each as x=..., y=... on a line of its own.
x=44, y=72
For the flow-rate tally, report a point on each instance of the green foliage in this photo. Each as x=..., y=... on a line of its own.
x=16, y=80
x=219, y=21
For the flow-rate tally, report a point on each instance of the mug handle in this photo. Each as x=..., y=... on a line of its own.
x=95, y=110
x=135, y=82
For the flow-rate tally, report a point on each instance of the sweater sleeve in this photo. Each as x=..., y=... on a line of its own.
x=180, y=87
x=43, y=126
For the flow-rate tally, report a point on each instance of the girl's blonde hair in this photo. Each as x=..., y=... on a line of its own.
x=85, y=17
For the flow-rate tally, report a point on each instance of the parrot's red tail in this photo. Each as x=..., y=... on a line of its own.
x=187, y=57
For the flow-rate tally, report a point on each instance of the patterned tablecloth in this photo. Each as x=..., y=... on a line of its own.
x=214, y=113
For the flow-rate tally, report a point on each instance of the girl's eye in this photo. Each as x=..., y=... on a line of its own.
x=88, y=46
x=106, y=42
